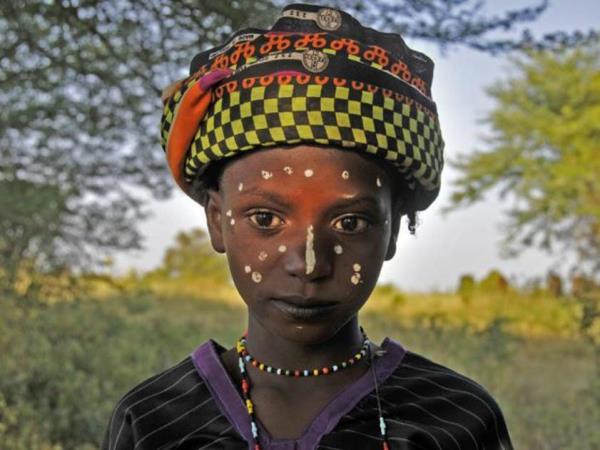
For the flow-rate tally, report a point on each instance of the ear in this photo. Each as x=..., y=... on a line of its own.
x=214, y=220
x=391, y=250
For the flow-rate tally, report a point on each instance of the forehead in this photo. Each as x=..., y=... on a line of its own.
x=306, y=170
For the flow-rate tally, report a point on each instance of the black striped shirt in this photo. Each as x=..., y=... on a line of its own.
x=194, y=405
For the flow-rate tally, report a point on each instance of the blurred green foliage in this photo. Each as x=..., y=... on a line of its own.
x=542, y=153
x=64, y=366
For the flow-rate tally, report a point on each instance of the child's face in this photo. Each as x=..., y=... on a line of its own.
x=306, y=224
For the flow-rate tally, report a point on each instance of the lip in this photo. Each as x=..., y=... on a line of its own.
x=302, y=308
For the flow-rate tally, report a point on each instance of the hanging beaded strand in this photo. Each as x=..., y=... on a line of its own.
x=382, y=426
x=244, y=356
x=247, y=400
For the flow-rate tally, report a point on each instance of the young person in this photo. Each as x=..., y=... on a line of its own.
x=306, y=144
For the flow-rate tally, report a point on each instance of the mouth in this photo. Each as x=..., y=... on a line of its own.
x=302, y=308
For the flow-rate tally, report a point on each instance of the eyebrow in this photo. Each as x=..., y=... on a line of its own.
x=343, y=203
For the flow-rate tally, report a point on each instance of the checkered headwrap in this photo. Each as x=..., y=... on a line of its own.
x=316, y=77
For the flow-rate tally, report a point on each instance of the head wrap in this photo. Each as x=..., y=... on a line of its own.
x=316, y=77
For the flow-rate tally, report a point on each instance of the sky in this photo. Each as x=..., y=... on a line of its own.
x=446, y=246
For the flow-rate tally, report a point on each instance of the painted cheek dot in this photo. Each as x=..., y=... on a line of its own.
x=247, y=269
x=345, y=175
x=378, y=182
x=256, y=277
x=282, y=249
x=288, y=170
x=355, y=278
x=356, y=267
x=266, y=174
x=308, y=173
x=228, y=213
x=262, y=255
x=241, y=187
x=338, y=249
x=232, y=222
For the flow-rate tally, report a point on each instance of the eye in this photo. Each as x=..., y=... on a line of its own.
x=265, y=219
x=351, y=224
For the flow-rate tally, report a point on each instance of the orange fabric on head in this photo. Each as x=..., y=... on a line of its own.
x=188, y=114
x=190, y=111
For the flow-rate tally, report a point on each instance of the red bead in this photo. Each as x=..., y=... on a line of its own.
x=325, y=370
x=351, y=361
x=385, y=446
x=296, y=373
x=245, y=386
x=255, y=363
x=257, y=447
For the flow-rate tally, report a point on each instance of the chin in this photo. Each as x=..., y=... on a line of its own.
x=309, y=332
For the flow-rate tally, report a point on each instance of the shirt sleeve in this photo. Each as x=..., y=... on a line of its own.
x=497, y=436
x=119, y=435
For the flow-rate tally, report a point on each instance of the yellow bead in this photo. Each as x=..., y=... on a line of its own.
x=261, y=366
x=249, y=406
x=315, y=372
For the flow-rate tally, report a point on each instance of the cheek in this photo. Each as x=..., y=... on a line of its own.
x=358, y=264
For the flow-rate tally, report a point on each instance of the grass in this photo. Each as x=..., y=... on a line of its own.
x=65, y=365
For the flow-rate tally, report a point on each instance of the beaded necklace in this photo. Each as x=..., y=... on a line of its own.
x=245, y=357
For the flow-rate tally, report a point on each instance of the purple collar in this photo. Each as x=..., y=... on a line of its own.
x=209, y=366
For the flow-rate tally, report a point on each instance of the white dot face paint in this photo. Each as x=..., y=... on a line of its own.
x=355, y=278
x=241, y=187
x=228, y=213
x=378, y=182
x=262, y=255
x=288, y=170
x=247, y=269
x=345, y=174
x=232, y=221
x=256, y=277
x=310, y=251
x=309, y=173
x=338, y=249
x=266, y=174
x=282, y=248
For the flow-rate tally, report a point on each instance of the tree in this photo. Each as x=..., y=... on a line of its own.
x=450, y=23
x=81, y=83
x=543, y=154
x=192, y=256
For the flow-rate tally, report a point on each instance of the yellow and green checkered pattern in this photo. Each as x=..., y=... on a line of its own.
x=287, y=114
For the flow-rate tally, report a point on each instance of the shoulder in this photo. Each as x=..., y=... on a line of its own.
x=168, y=382
x=417, y=370
x=439, y=394
x=179, y=383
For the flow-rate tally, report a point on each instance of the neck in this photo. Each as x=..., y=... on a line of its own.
x=301, y=352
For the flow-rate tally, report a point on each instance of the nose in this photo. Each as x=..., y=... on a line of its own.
x=308, y=257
